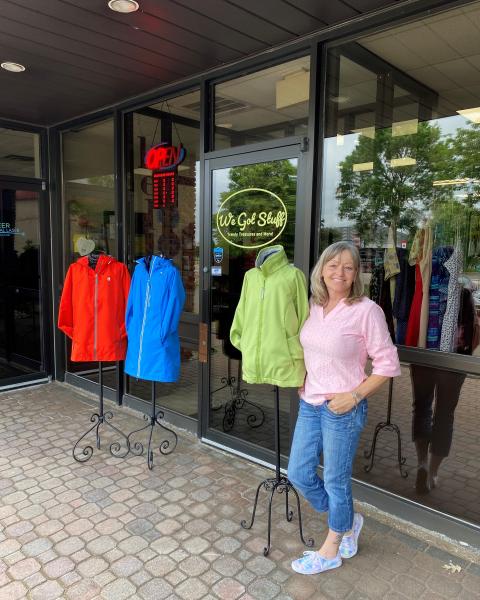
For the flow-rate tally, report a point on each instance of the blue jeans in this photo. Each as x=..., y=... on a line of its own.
x=319, y=430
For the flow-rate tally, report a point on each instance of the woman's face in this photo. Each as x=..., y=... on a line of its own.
x=339, y=274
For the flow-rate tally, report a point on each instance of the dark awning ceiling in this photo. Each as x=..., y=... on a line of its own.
x=81, y=56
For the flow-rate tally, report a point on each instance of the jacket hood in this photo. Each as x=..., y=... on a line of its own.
x=271, y=259
x=103, y=260
x=156, y=262
x=92, y=309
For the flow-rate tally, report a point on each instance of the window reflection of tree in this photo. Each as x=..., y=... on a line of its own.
x=403, y=195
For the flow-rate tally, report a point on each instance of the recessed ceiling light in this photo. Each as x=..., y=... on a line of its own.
x=366, y=166
x=13, y=67
x=123, y=6
x=340, y=99
x=473, y=114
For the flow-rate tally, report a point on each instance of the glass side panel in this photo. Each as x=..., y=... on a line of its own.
x=19, y=153
x=89, y=208
x=20, y=302
x=265, y=105
x=403, y=186
x=171, y=228
x=402, y=182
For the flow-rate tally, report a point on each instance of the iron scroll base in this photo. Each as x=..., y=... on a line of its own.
x=279, y=484
x=98, y=419
x=137, y=448
x=237, y=401
x=388, y=426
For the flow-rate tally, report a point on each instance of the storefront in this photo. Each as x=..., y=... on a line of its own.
x=369, y=133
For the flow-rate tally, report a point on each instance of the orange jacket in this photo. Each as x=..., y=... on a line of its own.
x=92, y=309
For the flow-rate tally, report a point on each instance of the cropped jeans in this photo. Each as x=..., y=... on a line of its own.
x=320, y=431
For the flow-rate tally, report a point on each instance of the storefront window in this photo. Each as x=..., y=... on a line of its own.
x=404, y=185
x=167, y=220
x=89, y=206
x=265, y=105
x=402, y=182
x=172, y=229
x=19, y=153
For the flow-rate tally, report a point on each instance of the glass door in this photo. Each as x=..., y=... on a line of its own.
x=21, y=313
x=255, y=203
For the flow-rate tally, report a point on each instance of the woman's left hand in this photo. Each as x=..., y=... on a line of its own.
x=340, y=403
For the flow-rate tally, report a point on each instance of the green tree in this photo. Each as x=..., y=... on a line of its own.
x=392, y=193
x=465, y=220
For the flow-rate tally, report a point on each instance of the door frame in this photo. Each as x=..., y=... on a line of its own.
x=303, y=232
x=45, y=322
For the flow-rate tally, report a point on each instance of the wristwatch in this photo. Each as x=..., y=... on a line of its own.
x=356, y=397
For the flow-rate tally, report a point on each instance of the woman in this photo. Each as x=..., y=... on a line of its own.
x=344, y=329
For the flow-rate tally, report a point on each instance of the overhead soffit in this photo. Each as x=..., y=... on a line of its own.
x=80, y=56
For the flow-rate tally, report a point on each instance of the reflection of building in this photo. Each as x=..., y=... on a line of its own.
x=398, y=128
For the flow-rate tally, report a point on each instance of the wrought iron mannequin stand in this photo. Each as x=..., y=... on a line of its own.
x=100, y=418
x=279, y=484
x=389, y=426
x=237, y=401
x=153, y=419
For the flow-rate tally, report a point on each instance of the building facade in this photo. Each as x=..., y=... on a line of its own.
x=367, y=131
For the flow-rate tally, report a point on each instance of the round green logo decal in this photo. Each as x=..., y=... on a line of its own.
x=251, y=218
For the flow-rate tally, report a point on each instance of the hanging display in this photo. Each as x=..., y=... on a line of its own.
x=92, y=309
x=433, y=303
x=163, y=160
x=272, y=308
x=153, y=312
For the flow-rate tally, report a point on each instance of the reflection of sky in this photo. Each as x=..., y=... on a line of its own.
x=220, y=184
x=334, y=155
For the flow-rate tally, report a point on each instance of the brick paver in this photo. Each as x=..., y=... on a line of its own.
x=111, y=529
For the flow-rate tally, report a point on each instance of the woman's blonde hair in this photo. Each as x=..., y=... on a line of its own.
x=317, y=284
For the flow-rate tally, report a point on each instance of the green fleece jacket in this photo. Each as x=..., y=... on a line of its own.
x=272, y=309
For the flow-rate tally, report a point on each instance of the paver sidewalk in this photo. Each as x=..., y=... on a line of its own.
x=111, y=529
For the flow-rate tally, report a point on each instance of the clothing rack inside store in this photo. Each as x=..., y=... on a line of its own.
x=280, y=484
x=237, y=401
x=389, y=426
x=165, y=447
x=98, y=419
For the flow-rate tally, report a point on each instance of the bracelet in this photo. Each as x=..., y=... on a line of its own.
x=356, y=398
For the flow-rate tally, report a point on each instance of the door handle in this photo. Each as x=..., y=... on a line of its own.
x=203, y=342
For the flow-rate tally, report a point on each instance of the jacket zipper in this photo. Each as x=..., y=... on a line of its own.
x=147, y=302
x=260, y=325
x=95, y=320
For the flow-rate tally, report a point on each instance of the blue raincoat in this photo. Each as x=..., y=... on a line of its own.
x=154, y=306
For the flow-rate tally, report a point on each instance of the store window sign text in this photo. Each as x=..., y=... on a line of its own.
x=163, y=157
x=163, y=160
x=6, y=229
x=262, y=219
x=251, y=218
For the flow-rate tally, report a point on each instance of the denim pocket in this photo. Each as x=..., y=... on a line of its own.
x=334, y=414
